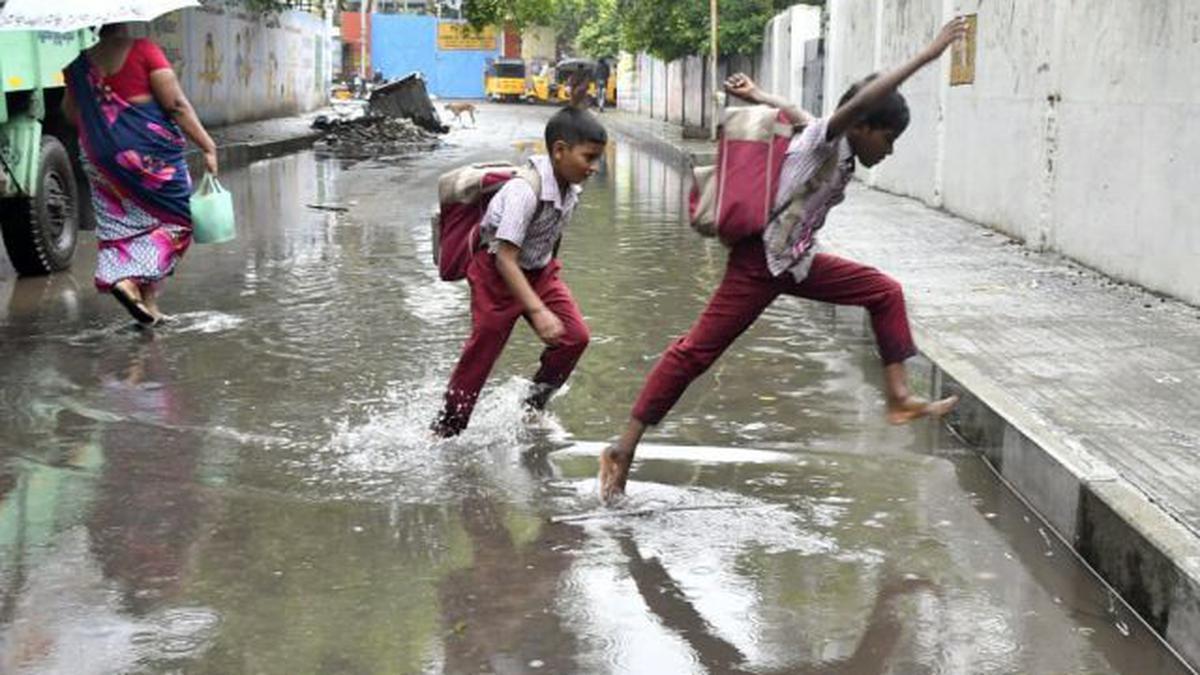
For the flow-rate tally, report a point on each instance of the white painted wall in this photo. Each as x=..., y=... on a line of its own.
x=236, y=66
x=783, y=49
x=538, y=42
x=1074, y=136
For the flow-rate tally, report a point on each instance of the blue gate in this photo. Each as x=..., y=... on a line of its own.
x=402, y=43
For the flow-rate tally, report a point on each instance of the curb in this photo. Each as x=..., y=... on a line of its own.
x=1145, y=556
x=658, y=144
x=234, y=155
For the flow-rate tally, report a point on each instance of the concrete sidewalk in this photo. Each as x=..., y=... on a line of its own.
x=667, y=138
x=1080, y=391
x=240, y=144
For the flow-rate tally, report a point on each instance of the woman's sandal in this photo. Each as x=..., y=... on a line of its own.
x=134, y=307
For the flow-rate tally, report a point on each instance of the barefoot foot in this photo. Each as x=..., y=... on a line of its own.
x=913, y=408
x=614, y=471
x=130, y=297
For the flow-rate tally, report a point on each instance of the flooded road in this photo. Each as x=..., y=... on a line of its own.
x=252, y=489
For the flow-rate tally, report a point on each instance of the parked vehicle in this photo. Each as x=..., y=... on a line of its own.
x=43, y=192
x=505, y=80
x=540, y=86
x=568, y=68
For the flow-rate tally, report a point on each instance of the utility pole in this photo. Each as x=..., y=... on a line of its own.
x=716, y=90
x=368, y=8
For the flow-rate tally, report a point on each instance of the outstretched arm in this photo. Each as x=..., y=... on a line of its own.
x=741, y=86
x=876, y=90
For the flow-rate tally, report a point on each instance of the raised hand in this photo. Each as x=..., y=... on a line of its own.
x=741, y=86
x=953, y=31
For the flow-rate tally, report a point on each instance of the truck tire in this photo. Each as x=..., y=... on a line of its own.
x=41, y=232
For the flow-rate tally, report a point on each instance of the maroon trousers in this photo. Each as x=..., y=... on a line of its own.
x=747, y=289
x=494, y=310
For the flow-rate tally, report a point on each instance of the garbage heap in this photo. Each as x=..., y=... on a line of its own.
x=407, y=98
x=400, y=119
x=373, y=135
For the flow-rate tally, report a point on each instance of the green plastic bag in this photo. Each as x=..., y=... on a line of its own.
x=212, y=212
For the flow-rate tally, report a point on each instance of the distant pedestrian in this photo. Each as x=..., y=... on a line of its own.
x=602, y=74
x=515, y=271
x=132, y=118
x=578, y=82
x=783, y=259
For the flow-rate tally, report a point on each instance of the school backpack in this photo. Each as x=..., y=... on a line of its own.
x=463, y=198
x=733, y=198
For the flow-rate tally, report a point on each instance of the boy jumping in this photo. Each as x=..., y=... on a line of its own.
x=870, y=116
x=515, y=271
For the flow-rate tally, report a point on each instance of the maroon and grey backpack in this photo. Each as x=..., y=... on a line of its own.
x=463, y=198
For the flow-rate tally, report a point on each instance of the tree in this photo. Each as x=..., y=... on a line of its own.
x=676, y=28
x=668, y=29
x=516, y=13
x=600, y=36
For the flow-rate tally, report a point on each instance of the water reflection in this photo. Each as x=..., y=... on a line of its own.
x=498, y=614
x=145, y=521
x=95, y=539
x=670, y=603
x=251, y=489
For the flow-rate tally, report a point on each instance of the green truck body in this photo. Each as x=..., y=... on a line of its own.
x=42, y=193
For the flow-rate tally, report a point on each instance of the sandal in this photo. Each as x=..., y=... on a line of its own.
x=134, y=307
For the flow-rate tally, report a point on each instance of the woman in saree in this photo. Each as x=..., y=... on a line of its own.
x=132, y=116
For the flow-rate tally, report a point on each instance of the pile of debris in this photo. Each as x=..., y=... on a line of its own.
x=372, y=135
x=407, y=97
x=399, y=119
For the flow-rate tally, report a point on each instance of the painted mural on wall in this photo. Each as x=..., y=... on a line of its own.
x=238, y=66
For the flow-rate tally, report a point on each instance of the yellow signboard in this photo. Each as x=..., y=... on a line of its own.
x=962, y=54
x=460, y=36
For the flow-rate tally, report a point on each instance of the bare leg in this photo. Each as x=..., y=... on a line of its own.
x=616, y=459
x=902, y=406
x=131, y=288
x=150, y=299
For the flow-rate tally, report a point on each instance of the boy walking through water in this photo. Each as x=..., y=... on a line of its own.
x=515, y=271
x=869, y=118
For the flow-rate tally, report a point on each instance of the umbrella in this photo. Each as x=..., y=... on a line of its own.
x=64, y=16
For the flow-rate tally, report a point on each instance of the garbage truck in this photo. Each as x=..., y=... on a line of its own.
x=43, y=194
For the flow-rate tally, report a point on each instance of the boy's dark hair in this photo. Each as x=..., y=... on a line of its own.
x=890, y=113
x=574, y=126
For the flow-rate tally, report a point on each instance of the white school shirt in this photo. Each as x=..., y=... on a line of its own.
x=510, y=216
x=806, y=154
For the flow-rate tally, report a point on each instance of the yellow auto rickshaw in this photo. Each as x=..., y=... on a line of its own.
x=568, y=69
x=565, y=73
x=540, y=86
x=505, y=80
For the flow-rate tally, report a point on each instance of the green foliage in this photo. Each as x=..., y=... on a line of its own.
x=517, y=13
x=600, y=36
x=267, y=6
x=671, y=30
x=668, y=29
x=273, y=7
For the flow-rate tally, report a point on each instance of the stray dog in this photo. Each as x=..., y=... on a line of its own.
x=459, y=108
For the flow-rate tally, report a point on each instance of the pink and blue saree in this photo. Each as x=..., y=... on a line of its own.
x=133, y=157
